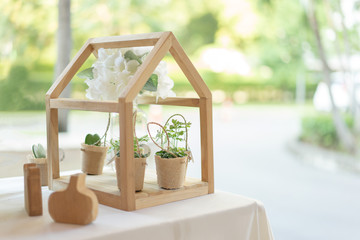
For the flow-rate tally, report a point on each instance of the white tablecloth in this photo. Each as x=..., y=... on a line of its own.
x=216, y=216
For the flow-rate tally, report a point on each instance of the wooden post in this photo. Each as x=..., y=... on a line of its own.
x=126, y=175
x=206, y=131
x=52, y=130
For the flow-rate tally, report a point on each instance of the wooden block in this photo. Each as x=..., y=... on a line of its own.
x=32, y=190
x=76, y=205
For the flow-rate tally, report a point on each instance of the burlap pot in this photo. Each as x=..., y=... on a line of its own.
x=140, y=164
x=93, y=158
x=171, y=172
x=42, y=164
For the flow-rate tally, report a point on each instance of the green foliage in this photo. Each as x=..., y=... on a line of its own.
x=17, y=92
x=91, y=139
x=86, y=73
x=179, y=152
x=176, y=132
x=38, y=151
x=201, y=30
x=258, y=89
x=141, y=140
x=151, y=84
x=320, y=130
x=130, y=55
x=115, y=146
x=279, y=39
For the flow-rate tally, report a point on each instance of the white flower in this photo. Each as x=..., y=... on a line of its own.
x=165, y=84
x=112, y=72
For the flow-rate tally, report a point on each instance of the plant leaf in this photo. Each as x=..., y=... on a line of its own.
x=152, y=83
x=86, y=73
x=38, y=151
x=92, y=139
x=130, y=55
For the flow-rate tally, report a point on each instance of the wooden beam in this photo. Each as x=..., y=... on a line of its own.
x=71, y=69
x=135, y=40
x=52, y=131
x=87, y=105
x=188, y=69
x=124, y=44
x=112, y=106
x=174, y=101
x=171, y=196
x=125, y=169
x=132, y=37
x=147, y=67
x=206, y=133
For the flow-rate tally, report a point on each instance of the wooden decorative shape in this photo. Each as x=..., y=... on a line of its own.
x=163, y=43
x=32, y=190
x=76, y=205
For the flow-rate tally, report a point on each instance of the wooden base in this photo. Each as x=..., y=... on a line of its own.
x=107, y=192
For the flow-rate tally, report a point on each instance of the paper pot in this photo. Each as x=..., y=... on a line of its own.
x=93, y=158
x=140, y=164
x=42, y=164
x=171, y=172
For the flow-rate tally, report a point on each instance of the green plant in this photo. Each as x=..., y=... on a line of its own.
x=179, y=152
x=172, y=134
x=320, y=130
x=139, y=152
x=93, y=139
x=38, y=151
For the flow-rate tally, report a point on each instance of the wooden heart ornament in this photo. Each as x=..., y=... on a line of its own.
x=77, y=204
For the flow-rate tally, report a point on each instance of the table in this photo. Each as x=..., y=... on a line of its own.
x=216, y=216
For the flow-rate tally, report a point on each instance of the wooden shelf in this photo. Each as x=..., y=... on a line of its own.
x=107, y=192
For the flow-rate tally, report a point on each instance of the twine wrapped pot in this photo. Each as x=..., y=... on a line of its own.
x=171, y=172
x=93, y=158
x=140, y=164
x=42, y=164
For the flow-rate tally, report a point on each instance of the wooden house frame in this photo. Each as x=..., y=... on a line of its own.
x=127, y=199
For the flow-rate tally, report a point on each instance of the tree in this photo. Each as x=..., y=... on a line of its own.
x=346, y=137
x=64, y=45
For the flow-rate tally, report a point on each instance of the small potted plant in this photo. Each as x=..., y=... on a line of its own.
x=38, y=157
x=171, y=162
x=93, y=155
x=141, y=152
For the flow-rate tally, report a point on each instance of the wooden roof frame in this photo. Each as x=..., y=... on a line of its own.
x=163, y=42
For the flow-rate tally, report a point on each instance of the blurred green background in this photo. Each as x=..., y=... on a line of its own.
x=261, y=51
x=247, y=51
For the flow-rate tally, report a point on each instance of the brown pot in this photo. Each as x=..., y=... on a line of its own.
x=93, y=158
x=42, y=164
x=140, y=164
x=171, y=172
